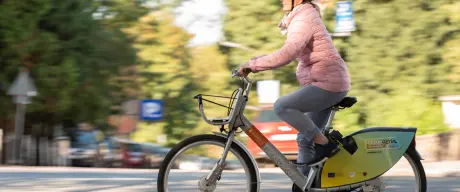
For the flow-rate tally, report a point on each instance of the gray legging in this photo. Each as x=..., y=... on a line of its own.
x=294, y=108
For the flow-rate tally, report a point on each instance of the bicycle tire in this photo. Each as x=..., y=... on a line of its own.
x=412, y=153
x=200, y=138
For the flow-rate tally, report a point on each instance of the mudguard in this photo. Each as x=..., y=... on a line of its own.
x=379, y=149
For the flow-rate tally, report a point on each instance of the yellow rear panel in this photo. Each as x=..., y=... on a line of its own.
x=377, y=152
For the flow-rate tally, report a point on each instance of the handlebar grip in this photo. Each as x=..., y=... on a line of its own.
x=247, y=70
x=236, y=72
x=200, y=99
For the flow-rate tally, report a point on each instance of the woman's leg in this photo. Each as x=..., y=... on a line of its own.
x=291, y=109
x=307, y=148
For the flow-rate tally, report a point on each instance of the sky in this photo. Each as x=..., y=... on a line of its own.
x=203, y=18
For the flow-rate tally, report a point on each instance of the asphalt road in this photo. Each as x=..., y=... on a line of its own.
x=110, y=180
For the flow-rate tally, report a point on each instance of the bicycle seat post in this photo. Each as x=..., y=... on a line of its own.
x=329, y=120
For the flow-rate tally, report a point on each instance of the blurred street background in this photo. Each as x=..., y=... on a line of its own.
x=440, y=177
x=94, y=93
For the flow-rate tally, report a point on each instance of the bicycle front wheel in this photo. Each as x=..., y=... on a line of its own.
x=188, y=163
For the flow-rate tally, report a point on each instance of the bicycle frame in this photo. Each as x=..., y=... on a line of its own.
x=236, y=119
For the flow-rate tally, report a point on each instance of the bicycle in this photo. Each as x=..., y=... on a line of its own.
x=365, y=155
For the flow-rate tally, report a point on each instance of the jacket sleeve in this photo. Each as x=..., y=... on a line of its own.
x=299, y=34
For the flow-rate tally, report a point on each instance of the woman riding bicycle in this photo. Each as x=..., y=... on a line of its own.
x=321, y=71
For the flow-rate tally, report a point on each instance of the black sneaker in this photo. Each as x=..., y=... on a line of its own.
x=322, y=151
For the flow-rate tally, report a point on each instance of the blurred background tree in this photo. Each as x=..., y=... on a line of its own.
x=164, y=71
x=398, y=71
x=89, y=56
x=69, y=54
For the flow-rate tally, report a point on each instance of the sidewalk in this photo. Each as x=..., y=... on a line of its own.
x=432, y=169
x=442, y=169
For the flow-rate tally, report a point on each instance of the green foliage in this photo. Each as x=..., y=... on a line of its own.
x=399, y=69
x=87, y=56
x=451, y=44
x=210, y=70
x=148, y=132
x=70, y=56
x=119, y=13
x=408, y=108
x=19, y=38
x=163, y=68
x=254, y=25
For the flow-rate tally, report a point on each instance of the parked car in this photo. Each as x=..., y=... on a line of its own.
x=111, y=153
x=84, y=149
x=155, y=154
x=278, y=132
x=133, y=155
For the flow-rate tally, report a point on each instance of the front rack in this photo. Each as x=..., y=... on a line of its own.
x=201, y=98
x=217, y=121
x=236, y=103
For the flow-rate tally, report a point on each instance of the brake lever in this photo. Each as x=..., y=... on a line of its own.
x=235, y=73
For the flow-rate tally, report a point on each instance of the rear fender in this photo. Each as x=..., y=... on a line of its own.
x=418, y=156
x=413, y=146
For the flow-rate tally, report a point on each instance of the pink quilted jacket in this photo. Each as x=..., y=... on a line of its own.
x=309, y=42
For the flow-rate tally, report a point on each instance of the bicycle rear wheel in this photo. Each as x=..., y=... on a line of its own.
x=188, y=174
x=406, y=175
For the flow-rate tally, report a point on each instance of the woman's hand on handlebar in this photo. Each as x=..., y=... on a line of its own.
x=244, y=69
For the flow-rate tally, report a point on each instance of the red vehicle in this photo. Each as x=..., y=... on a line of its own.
x=133, y=155
x=278, y=132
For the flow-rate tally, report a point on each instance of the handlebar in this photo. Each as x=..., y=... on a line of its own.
x=236, y=72
x=238, y=103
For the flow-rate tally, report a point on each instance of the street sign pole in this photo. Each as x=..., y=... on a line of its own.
x=21, y=90
x=19, y=128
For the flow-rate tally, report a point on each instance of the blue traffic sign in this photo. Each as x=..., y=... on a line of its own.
x=344, y=20
x=151, y=110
